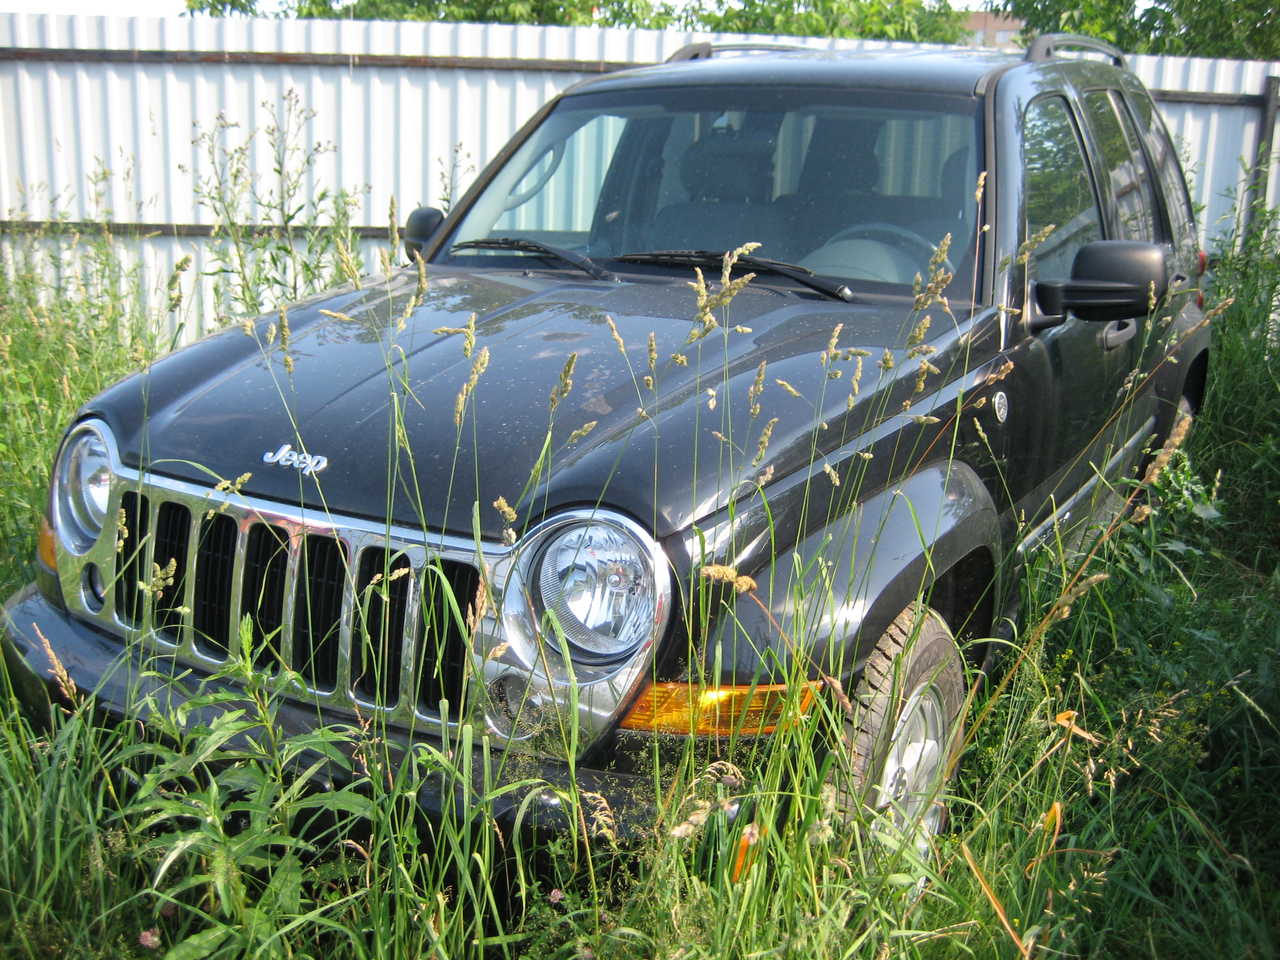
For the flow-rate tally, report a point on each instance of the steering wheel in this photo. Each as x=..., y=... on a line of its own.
x=540, y=179
x=896, y=234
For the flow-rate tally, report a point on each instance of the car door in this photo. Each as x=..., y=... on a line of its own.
x=1129, y=191
x=1067, y=363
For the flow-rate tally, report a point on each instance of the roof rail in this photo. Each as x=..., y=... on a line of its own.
x=706, y=50
x=1045, y=46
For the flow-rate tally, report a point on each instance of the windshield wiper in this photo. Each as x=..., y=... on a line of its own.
x=586, y=264
x=802, y=275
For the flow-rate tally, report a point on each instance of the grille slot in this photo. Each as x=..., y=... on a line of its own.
x=377, y=642
x=318, y=610
x=131, y=561
x=173, y=536
x=266, y=567
x=441, y=644
x=215, y=566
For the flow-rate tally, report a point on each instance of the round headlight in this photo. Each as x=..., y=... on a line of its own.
x=598, y=583
x=83, y=485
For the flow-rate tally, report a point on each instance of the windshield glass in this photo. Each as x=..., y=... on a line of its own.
x=850, y=184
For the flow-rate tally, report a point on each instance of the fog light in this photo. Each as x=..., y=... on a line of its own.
x=95, y=591
x=512, y=710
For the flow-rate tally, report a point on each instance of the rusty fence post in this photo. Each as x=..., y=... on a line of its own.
x=1260, y=176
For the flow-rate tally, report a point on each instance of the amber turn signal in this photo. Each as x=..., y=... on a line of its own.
x=46, y=550
x=714, y=711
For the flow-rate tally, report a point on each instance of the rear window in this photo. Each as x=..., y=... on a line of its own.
x=1124, y=167
x=1164, y=157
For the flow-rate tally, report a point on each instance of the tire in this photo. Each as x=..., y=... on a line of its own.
x=905, y=728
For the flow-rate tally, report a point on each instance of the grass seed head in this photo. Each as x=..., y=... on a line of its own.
x=789, y=388
x=468, y=335
x=66, y=686
x=1175, y=440
x=756, y=388
x=722, y=573
x=581, y=432
x=565, y=384
x=762, y=446
x=831, y=353
x=505, y=510
x=478, y=366
x=617, y=337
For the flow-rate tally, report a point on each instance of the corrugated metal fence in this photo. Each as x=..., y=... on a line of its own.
x=101, y=115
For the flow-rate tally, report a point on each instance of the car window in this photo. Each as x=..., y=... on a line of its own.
x=1124, y=166
x=1061, y=205
x=1164, y=157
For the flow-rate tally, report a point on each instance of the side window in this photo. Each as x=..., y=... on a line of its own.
x=1125, y=166
x=1057, y=189
x=1164, y=157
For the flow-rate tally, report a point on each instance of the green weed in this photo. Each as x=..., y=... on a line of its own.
x=1114, y=796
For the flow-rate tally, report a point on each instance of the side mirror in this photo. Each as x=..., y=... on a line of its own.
x=419, y=228
x=1110, y=280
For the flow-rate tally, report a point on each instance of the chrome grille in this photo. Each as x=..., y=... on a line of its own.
x=367, y=617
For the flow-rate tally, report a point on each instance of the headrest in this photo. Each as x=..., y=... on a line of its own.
x=727, y=165
x=841, y=157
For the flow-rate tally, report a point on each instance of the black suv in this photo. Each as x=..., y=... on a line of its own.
x=554, y=482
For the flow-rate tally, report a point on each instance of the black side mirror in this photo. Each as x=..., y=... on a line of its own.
x=1110, y=280
x=419, y=228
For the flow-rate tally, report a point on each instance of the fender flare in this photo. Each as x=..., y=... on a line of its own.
x=830, y=597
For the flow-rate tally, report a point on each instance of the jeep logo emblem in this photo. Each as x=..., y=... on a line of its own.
x=286, y=456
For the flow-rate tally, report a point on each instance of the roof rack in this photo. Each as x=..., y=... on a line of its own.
x=1045, y=46
x=706, y=50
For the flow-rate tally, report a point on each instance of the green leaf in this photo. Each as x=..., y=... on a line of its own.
x=200, y=945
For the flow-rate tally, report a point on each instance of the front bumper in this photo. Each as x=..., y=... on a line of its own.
x=124, y=683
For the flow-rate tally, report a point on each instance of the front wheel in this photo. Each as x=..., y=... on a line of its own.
x=905, y=727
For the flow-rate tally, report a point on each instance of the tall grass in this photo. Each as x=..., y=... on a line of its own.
x=1114, y=797
x=1238, y=432
x=73, y=324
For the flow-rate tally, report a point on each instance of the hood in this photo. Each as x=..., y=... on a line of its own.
x=371, y=384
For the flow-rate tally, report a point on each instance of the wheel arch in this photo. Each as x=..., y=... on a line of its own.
x=933, y=536
x=1193, y=386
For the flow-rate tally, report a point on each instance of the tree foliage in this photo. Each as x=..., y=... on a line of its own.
x=915, y=20
x=911, y=20
x=1243, y=29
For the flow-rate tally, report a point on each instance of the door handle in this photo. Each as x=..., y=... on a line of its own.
x=1118, y=332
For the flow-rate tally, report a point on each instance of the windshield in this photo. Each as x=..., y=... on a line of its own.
x=850, y=184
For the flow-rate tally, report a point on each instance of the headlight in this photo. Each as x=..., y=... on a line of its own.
x=82, y=487
x=597, y=583
x=599, y=579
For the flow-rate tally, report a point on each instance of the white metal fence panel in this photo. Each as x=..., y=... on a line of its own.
x=100, y=113
x=1218, y=140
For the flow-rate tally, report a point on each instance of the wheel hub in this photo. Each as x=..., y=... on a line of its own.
x=913, y=768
